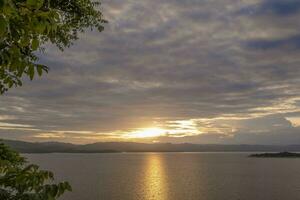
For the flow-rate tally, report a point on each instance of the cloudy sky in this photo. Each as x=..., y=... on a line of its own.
x=199, y=71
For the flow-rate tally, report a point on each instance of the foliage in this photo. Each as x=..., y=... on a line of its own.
x=19, y=181
x=25, y=25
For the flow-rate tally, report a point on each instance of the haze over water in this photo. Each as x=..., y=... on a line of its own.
x=173, y=176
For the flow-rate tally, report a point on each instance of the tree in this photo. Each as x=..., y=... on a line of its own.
x=26, y=25
x=19, y=181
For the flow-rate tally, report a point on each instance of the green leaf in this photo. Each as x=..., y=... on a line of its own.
x=35, y=44
x=31, y=72
x=31, y=3
x=39, y=69
x=3, y=26
x=25, y=41
x=10, y=83
x=40, y=27
x=37, y=4
x=2, y=3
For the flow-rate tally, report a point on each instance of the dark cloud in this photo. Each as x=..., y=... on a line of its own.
x=292, y=43
x=275, y=7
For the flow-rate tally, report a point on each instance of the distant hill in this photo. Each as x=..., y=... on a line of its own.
x=50, y=147
x=109, y=147
x=276, y=155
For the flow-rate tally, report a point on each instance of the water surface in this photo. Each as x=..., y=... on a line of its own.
x=174, y=176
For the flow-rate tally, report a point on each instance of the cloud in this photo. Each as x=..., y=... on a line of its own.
x=274, y=7
x=161, y=62
x=273, y=130
x=283, y=43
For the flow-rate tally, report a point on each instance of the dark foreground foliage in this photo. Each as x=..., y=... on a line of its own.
x=22, y=181
x=25, y=25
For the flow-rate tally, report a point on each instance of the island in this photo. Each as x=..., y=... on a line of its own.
x=276, y=155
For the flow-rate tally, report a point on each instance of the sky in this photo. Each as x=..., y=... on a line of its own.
x=197, y=71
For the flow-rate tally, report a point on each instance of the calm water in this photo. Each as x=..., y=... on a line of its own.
x=174, y=176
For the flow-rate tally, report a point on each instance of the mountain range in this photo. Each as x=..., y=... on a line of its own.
x=110, y=147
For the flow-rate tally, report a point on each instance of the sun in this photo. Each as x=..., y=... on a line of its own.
x=148, y=133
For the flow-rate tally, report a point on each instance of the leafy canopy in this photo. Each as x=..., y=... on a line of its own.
x=25, y=25
x=19, y=181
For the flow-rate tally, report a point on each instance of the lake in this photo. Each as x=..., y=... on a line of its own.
x=174, y=176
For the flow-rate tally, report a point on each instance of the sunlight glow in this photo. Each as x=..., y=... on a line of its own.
x=148, y=133
x=295, y=121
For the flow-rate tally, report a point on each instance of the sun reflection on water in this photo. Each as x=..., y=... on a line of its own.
x=155, y=178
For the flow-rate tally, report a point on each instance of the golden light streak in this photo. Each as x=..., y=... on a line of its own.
x=155, y=184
